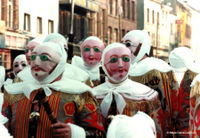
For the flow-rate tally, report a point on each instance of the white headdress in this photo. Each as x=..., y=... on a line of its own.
x=93, y=38
x=36, y=40
x=138, y=126
x=19, y=58
x=141, y=36
x=181, y=59
x=28, y=86
x=2, y=75
x=57, y=38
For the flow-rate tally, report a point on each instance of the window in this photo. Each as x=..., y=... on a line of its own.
x=128, y=7
x=133, y=10
x=27, y=22
x=123, y=6
x=0, y=8
x=110, y=5
x=10, y=15
x=148, y=15
x=188, y=31
x=102, y=22
x=116, y=7
x=39, y=25
x=50, y=27
x=123, y=32
x=153, y=17
x=171, y=28
x=109, y=35
x=116, y=35
x=153, y=39
x=158, y=18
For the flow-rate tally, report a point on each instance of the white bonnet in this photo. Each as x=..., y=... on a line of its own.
x=93, y=38
x=138, y=126
x=20, y=58
x=181, y=59
x=140, y=36
x=37, y=40
x=56, y=38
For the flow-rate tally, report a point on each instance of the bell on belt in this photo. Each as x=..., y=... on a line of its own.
x=34, y=116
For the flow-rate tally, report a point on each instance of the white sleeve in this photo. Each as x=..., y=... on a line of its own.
x=77, y=131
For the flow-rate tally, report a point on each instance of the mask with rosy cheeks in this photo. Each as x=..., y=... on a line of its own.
x=117, y=63
x=19, y=64
x=91, y=51
x=43, y=62
x=30, y=46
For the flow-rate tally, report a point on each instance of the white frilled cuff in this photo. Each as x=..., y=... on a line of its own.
x=77, y=131
x=3, y=119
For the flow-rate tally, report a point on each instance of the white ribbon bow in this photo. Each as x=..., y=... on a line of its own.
x=106, y=103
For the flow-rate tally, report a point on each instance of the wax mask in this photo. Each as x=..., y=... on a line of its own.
x=117, y=63
x=29, y=49
x=132, y=43
x=43, y=61
x=91, y=51
x=139, y=42
x=19, y=64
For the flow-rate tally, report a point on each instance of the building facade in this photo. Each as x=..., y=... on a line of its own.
x=107, y=19
x=183, y=21
x=168, y=23
x=22, y=21
x=121, y=18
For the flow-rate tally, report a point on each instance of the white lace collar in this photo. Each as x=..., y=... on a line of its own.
x=148, y=64
x=94, y=72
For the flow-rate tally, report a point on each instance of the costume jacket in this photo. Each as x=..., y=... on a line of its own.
x=152, y=72
x=127, y=98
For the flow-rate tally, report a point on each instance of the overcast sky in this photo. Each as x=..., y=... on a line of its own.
x=194, y=3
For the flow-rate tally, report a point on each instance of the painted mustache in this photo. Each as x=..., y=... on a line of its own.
x=116, y=70
x=36, y=68
x=93, y=58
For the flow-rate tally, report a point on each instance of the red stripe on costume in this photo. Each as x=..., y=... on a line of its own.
x=54, y=104
x=45, y=120
x=51, y=101
x=167, y=93
x=18, y=113
x=22, y=117
x=44, y=127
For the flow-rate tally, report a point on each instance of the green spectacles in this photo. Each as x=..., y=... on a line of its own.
x=115, y=59
x=42, y=57
x=86, y=49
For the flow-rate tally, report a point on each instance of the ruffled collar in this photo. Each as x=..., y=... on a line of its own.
x=64, y=85
x=148, y=64
x=128, y=88
x=94, y=72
